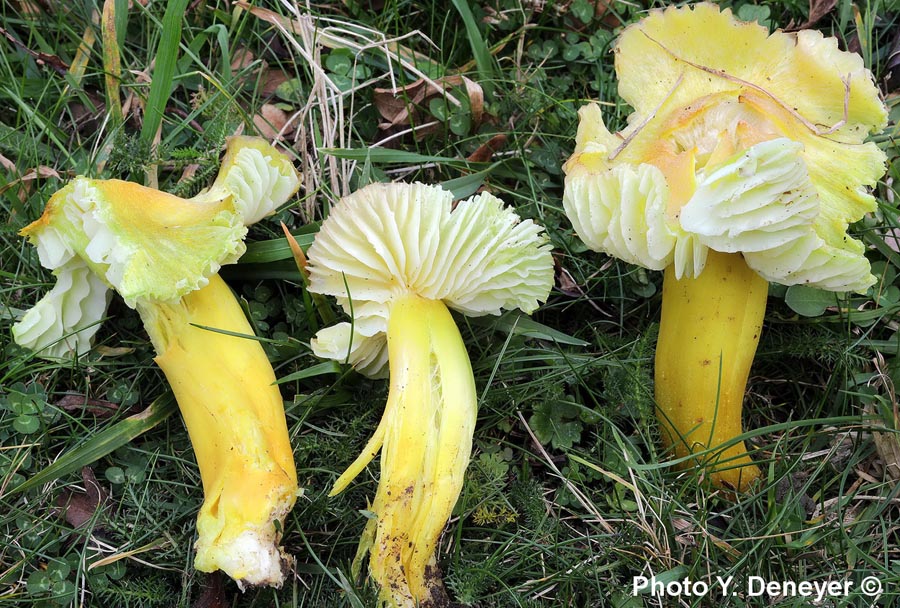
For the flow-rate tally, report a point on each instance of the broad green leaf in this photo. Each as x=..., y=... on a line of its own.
x=467, y=185
x=808, y=301
x=752, y=12
x=460, y=122
x=552, y=423
x=26, y=424
x=583, y=10
x=339, y=61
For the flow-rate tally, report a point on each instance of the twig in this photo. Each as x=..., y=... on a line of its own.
x=649, y=117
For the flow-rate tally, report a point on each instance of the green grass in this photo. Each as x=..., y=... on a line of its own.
x=568, y=496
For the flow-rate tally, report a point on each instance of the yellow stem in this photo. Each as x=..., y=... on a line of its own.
x=234, y=414
x=708, y=335
x=427, y=440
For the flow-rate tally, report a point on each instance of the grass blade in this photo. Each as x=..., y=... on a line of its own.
x=467, y=185
x=520, y=324
x=103, y=443
x=83, y=55
x=480, y=51
x=164, y=71
x=273, y=250
x=386, y=155
x=319, y=369
x=112, y=64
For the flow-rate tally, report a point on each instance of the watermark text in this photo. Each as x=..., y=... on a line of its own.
x=754, y=586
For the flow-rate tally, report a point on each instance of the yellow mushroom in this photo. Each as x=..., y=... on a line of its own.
x=162, y=254
x=396, y=258
x=743, y=163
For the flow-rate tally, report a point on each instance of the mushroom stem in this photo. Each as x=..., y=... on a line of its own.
x=234, y=414
x=708, y=335
x=427, y=439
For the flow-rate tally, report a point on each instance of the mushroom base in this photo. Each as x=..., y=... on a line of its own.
x=708, y=335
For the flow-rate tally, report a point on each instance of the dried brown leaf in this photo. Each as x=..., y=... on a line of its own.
x=242, y=58
x=78, y=508
x=889, y=450
x=565, y=282
x=88, y=118
x=296, y=251
x=7, y=164
x=272, y=79
x=83, y=54
x=24, y=182
x=726, y=548
x=891, y=238
x=113, y=351
x=29, y=9
x=408, y=105
x=892, y=66
x=682, y=525
x=189, y=172
x=51, y=61
x=394, y=105
x=101, y=409
x=42, y=172
x=112, y=62
x=486, y=151
x=476, y=99
x=817, y=10
x=270, y=121
x=886, y=444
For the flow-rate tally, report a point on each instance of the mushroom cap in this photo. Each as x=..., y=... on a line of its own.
x=740, y=141
x=804, y=70
x=143, y=243
x=387, y=240
x=258, y=177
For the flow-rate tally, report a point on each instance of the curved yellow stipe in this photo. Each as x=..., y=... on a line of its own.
x=427, y=440
x=234, y=414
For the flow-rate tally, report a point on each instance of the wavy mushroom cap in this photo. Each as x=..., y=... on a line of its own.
x=66, y=319
x=145, y=244
x=739, y=141
x=387, y=240
x=258, y=177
